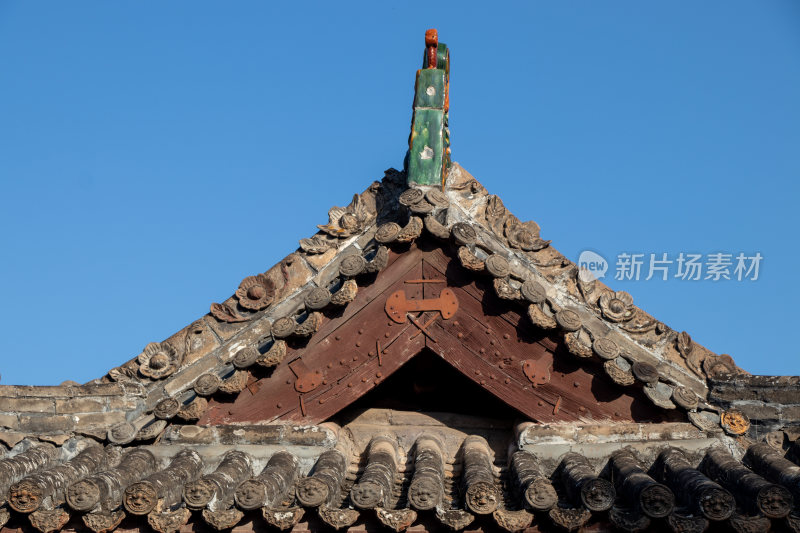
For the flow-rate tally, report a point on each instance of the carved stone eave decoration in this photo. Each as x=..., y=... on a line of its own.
x=720, y=366
x=518, y=235
x=158, y=360
x=255, y=292
x=49, y=520
x=195, y=338
x=685, y=347
x=127, y=372
x=225, y=313
x=101, y=522
x=317, y=244
x=351, y=220
x=169, y=521
x=617, y=306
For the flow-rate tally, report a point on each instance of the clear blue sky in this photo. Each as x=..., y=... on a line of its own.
x=152, y=154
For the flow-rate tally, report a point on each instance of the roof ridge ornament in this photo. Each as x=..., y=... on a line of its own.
x=428, y=157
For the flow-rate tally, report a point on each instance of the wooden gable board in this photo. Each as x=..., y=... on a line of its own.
x=485, y=341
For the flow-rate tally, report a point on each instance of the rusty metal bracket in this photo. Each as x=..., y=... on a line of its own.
x=398, y=306
x=537, y=371
x=307, y=379
x=421, y=328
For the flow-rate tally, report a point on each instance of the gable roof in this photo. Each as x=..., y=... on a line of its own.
x=332, y=267
x=407, y=270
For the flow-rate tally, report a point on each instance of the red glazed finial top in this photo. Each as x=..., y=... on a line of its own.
x=431, y=42
x=431, y=37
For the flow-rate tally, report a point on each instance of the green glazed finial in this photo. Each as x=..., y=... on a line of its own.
x=428, y=155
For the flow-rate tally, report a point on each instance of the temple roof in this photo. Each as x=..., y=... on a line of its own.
x=424, y=360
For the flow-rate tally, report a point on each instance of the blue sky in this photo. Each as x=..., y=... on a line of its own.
x=154, y=154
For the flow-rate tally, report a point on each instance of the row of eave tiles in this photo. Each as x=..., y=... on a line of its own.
x=675, y=491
